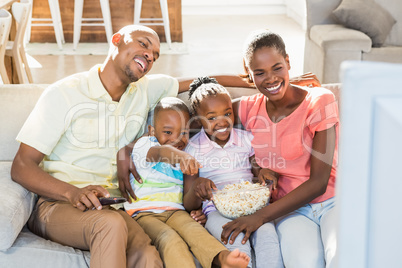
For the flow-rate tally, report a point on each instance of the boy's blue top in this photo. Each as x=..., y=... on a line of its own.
x=162, y=187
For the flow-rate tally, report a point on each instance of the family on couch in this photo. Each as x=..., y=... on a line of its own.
x=68, y=155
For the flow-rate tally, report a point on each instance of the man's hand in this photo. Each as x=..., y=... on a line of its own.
x=124, y=167
x=203, y=188
x=267, y=174
x=88, y=197
x=246, y=224
x=199, y=216
x=307, y=79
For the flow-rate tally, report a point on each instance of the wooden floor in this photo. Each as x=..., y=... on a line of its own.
x=214, y=46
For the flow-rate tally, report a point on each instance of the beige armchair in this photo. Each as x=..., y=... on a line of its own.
x=329, y=43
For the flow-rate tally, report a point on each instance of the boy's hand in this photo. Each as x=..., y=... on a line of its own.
x=188, y=164
x=203, y=188
x=199, y=216
x=267, y=174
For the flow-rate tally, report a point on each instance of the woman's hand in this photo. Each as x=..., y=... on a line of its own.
x=307, y=79
x=267, y=174
x=88, y=197
x=246, y=224
x=203, y=188
x=199, y=216
x=125, y=166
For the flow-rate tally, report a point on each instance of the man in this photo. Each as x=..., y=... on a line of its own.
x=68, y=151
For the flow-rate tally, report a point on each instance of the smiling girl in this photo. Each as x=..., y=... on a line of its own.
x=224, y=153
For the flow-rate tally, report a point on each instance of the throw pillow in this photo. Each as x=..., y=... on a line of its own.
x=366, y=16
x=16, y=204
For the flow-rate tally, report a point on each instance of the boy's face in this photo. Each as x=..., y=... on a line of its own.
x=171, y=127
x=216, y=115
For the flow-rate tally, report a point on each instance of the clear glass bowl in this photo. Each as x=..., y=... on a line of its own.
x=240, y=197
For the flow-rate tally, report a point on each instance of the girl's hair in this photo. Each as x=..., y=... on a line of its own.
x=259, y=39
x=203, y=87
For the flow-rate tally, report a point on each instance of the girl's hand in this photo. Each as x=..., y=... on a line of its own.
x=188, y=164
x=125, y=166
x=87, y=198
x=199, y=216
x=246, y=224
x=203, y=188
x=267, y=174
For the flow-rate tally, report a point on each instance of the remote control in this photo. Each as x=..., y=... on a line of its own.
x=111, y=200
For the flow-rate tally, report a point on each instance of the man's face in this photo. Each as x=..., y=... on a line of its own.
x=137, y=53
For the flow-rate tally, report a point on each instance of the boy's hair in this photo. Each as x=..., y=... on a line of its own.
x=203, y=87
x=170, y=103
x=258, y=39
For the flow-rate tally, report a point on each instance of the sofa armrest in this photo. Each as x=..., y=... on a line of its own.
x=338, y=37
x=16, y=204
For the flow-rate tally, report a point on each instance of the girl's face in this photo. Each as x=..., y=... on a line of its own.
x=270, y=72
x=216, y=115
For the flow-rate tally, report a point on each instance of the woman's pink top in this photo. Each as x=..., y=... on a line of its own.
x=285, y=147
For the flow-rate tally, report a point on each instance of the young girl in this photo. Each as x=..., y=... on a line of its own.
x=224, y=153
x=295, y=133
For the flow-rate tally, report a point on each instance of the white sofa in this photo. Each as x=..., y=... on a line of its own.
x=18, y=246
x=329, y=43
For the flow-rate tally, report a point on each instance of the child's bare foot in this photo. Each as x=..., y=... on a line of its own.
x=233, y=259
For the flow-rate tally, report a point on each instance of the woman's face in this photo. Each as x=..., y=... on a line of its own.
x=216, y=115
x=270, y=72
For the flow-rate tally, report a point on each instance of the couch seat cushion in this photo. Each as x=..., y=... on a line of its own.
x=387, y=54
x=30, y=250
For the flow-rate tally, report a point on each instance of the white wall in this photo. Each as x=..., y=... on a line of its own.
x=295, y=9
x=233, y=7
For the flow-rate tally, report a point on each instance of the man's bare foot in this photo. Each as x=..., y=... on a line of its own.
x=233, y=259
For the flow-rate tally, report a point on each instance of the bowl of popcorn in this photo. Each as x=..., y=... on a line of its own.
x=240, y=197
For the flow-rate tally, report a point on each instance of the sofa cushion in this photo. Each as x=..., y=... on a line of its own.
x=391, y=54
x=366, y=16
x=16, y=204
x=338, y=37
x=30, y=250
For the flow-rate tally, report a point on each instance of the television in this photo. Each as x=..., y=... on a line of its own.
x=369, y=181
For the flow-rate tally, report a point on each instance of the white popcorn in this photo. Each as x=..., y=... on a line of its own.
x=240, y=199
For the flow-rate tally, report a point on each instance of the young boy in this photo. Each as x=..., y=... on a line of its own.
x=158, y=207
